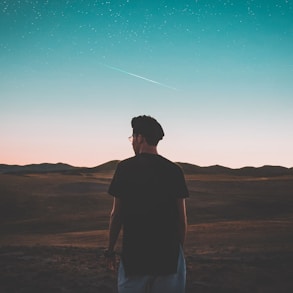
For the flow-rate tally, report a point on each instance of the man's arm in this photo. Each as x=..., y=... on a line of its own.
x=115, y=224
x=182, y=220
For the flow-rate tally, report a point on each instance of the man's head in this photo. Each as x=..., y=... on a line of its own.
x=149, y=130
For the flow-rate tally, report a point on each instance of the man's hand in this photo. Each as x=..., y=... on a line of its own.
x=111, y=260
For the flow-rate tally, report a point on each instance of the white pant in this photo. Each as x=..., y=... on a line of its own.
x=174, y=283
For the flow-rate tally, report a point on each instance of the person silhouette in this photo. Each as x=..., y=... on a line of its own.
x=149, y=205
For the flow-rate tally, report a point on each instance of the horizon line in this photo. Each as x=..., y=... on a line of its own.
x=178, y=162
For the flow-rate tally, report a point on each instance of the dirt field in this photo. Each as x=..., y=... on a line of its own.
x=54, y=228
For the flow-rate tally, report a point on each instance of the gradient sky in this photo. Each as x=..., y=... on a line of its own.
x=70, y=80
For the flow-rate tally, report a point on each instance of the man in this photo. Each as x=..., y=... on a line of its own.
x=149, y=203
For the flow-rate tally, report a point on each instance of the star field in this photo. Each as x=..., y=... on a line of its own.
x=231, y=62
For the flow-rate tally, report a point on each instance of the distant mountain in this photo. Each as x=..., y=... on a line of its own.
x=264, y=171
x=194, y=169
x=35, y=168
x=59, y=168
x=103, y=168
x=109, y=166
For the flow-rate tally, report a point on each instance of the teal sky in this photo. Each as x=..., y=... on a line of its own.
x=218, y=76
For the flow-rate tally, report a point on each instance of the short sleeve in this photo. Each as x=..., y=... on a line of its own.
x=115, y=188
x=181, y=188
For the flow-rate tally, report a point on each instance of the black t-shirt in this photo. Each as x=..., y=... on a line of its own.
x=148, y=186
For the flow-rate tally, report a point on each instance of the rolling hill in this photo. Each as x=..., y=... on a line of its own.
x=188, y=169
x=35, y=168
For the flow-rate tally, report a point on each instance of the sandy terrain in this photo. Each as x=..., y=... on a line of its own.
x=54, y=228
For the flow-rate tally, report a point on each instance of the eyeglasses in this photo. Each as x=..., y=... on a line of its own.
x=130, y=138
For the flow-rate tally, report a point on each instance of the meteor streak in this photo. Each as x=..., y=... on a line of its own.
x=141, y=77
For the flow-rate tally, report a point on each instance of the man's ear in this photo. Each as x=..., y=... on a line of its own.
x=140, y=138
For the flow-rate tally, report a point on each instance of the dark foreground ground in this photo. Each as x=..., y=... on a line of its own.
x=53, y=231
x=78, y=270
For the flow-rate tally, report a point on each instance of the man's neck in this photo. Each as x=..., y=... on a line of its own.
x=148, y=149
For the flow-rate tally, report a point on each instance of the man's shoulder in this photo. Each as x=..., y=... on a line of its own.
x=126, y=162
x=161, y=161
x=171, y=164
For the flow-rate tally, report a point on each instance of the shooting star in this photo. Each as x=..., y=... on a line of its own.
x=141, y=77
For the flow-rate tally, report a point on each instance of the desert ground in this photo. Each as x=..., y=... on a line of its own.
x=54, y=229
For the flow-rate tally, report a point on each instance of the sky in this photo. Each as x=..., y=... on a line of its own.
x=218, y=76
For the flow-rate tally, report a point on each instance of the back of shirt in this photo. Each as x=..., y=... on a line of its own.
x=149, y=187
